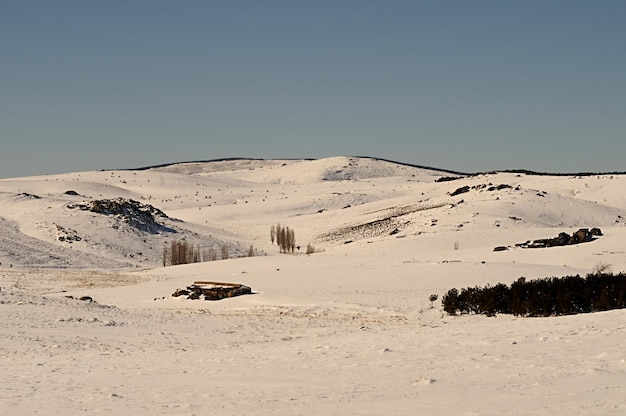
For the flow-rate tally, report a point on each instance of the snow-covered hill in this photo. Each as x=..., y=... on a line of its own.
x=235, y=202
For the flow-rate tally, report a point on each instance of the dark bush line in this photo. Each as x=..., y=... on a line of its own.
x=534, y=173
x=542, y=297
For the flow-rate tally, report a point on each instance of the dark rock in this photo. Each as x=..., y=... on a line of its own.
x=74, y=193
x=180, y=292
x=460, y=190
x=448, y=178
x=561, y=240
x=582, y=236
x=500, y=248
x=499, y=187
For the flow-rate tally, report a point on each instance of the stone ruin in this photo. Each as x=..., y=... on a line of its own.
x=212, y=291
x=583, y=235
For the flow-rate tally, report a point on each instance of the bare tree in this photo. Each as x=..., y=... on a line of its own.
x=182, y=252
x=225, y=253
x=279, y=235
x=196, y=254
x=284, y=239
x=292, y=240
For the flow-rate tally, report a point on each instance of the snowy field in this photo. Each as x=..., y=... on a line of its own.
x=348, y=329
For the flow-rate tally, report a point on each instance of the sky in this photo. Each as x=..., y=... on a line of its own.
x=462, y=85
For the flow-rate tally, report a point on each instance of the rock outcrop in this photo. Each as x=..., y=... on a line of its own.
x=136, y=214
x=583, y=235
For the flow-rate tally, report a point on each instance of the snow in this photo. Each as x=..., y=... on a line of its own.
x=346, y=330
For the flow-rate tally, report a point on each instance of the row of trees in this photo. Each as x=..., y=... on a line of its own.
x=284, y=237
x=542, y=297
x=181, y=252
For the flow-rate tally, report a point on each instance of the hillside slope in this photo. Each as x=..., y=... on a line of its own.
x=47, y=221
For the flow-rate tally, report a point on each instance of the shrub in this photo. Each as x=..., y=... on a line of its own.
x=432, y=298
x=450, y=301
x=541, y=297
x=602, y=268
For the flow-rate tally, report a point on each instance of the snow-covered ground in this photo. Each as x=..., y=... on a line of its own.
x=346, y=330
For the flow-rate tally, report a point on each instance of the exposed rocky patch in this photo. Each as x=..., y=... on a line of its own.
x=375, y=228
x=136, y=214
x=387, y=223
x=21, y=250
x=29, y=196
x=67, y=234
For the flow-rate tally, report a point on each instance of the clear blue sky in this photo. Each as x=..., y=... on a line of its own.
x=462, y=85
